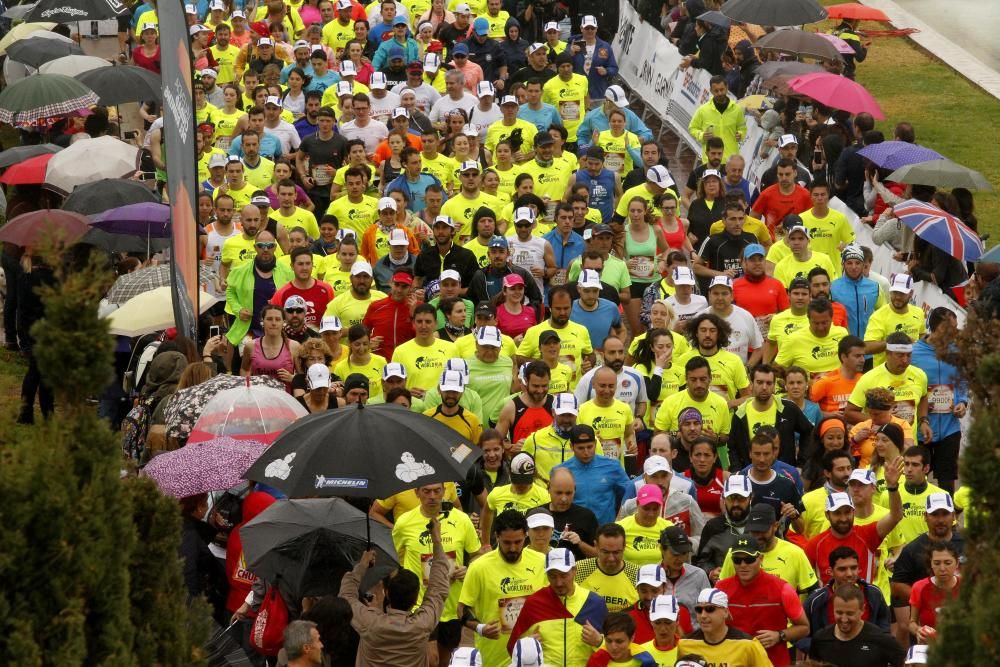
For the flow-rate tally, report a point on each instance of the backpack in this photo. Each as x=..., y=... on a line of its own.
x=268, y=633
x=135, y=428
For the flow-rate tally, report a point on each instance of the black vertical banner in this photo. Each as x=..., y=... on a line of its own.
x=182, y=175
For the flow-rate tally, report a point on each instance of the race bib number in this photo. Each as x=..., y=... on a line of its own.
x=559, y=278
x=612, y=448
x=941, y=398
x=569, y=110
x=614, y=162
x=425, y=564
x=223, y=143
x=321, y=176
x=641, y=267
x=510, y=609
x=905, y=410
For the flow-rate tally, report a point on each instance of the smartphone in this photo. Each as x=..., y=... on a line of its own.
x=446, y=507
x=214, y=331
x=817, y=156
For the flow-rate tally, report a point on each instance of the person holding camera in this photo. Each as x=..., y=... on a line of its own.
x=455, y=531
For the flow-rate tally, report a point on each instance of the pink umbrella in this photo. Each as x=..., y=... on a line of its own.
x=841, y=45
x=837, y=92
x=212, y=465
x=250, y=412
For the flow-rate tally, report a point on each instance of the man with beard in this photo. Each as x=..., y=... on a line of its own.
x=574, y=526
x=679, y=506
x=308, y=124
x=251, y=285
x=897, y=315
x=450, y=413
x=352, y=305
x=786, y=322
x=576, y=350
x=528, y=411
x=756, y=292
x=781, y=558
x=631, y=389
x=550, y=445
x=240, y=249
x=860, y=294
x=713, y=408
x=496, y=586
x=763, y=409
x=816, y=347
x=487, y=283
x=715, y=148
x=788, y=149
x=710, y=336
x=819, y=286
x=719, y=117
x=650, y=584
x=837, y=469
x=721, y=532
x=744, y=332
x=852, y=640
x=295, y=308
x=444, y=254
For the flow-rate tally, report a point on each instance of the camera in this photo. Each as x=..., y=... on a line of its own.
x=446, y=507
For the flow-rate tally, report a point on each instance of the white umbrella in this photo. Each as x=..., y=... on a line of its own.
x=73, y=65
x=150, y=312
x=91, y=160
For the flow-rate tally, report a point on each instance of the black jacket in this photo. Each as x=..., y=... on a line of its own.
x=485, y=287
x=429, y=265
x=710, y=48
x=489, y=55
x=30, y=308
x=790, y=421
x=819, y=603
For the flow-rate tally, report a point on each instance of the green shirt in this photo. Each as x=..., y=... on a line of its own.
x=492, y=383
x=614, y=273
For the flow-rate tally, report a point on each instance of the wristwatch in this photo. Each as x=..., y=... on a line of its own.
x=781, y=636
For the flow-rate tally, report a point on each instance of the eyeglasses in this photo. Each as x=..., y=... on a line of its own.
x=295, y=310
x=709, y=609
x=744, y=560
x=266, y=246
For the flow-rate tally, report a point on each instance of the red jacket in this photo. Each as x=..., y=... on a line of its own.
x=242, y=579
x=391, y=320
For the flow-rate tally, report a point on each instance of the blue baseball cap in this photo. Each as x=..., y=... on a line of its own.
x=753, y=249
x=481, y=26
x=498, y=242
x=460, y=48
x=400, y=20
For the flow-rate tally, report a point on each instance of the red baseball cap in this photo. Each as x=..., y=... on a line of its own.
x=402, y=277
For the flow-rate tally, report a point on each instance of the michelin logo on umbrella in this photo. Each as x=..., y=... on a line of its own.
x=409, y=470
x=280, y=468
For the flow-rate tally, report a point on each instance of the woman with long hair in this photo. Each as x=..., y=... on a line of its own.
x=228, y=117
x=355, y=52
x=147, y=53
x=514, y=316
x=708, y=206
x=319, y=394
x=272, y=354
x=453, y=309
x=437, y=15
x=644, y=247
x=928, y=595
x=311, y=351
x=830, y=435
x=391, y=167
x=362, y=360
x=506, y=171
x=673, y=227
x=707, y=475
x=889, y=445
x=294, y=97
x=661, y=316
x=621, y=147
x=654, y=358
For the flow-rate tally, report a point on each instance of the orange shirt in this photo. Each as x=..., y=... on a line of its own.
x=831, y=390
x=370, y=243
x=383, y=152
x=862, y=451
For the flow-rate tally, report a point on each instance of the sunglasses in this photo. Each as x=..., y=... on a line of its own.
x=710, y=609
x=744, y=560
x=460, y=55
x=522, y=224
x=266, y=246
x=295, y=310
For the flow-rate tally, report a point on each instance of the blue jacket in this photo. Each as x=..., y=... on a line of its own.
x=411, y=52
x=596, y=119
x=601, y=485
x=565, y=254
x=939, y=373
x=859, y=297
x=603, y=57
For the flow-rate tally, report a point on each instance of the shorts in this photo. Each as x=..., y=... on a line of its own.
x=638, y=289
x=448, y=634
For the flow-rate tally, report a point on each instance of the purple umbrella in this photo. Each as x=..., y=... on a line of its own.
x=212, y=465
x=841, y=45
x=895, y=154
x=144, y=219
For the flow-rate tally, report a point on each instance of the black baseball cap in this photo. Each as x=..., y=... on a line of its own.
x=798, y=283
x=791, y=220
x=548, y=336
x=582, y=433
x=761, y=517
x=599, y=229
x=676, y=539
x=746, y=545
x=355, y=381
x=543, y=139
x=486, y=309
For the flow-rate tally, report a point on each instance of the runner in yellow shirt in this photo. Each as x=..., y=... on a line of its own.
x=907, y=382
x=356, y=211
x=897, y=315
x=425, y=355
x=522, y=494
x=501, y=130
x=611, y=419
x=663, y=613
x=814, y=347
x=338, y=32
x=829, y=230
x=352, y=305
x=573, y=338
x=470, y=198
x=569, y=94
x=802, y=259
x=642, y=529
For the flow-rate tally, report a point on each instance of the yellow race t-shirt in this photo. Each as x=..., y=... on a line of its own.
x=550, y=181
x=790, y=268
x=642, y=543
x=714, y=411
x=372, y=370
x=498, y=132
x=828, y=233
x=609, y=424
x=423, y=363
x=350, y=309
x=616, y=156
x=784, y=324
x=503, y=498
x=356, y=216
x=729, y=374
x=441, y=167
x=885, y=321
x=461, y=209
x=785, y=561
x=299, y=217
x=570, y=100
x=909, y=387
x=816, y=355
x=574, y=343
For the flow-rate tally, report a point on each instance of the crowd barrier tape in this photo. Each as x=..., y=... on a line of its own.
x=648, y=65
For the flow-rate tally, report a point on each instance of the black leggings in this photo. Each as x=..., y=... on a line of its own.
x=34, y=384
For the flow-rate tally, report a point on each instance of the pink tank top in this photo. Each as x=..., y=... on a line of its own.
x=261, y=365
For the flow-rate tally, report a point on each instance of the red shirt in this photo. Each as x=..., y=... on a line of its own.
x=644, y=629
x=928, y=598
x=865, y=540
x=839, y=314
x=773, y=206
x=391, y=320
x=709, y=496
x=317, y=297
x=766, y=603
x=761, y=297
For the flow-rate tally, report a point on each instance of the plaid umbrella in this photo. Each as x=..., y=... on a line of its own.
x=940, y=229
x=42, y=96
x=186, y=406
x=896, y=154
x=212, y=465
x=247, y=411
x=143, y=280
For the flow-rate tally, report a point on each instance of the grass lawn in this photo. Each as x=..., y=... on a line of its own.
x=950, y=114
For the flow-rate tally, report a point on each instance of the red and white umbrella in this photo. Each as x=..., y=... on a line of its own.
x=253, y=412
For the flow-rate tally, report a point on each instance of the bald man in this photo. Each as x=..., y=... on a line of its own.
x=575, y=525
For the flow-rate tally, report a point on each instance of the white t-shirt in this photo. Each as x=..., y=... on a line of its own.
x=426, y=94
x=156, y=125
x=686, y=312
x=445, y=105
x=481, y=120
x=372, y=134
x=528, y=254
x=631, y=387
x=287, y=135
x=213, y=251
x=382, y=108
x=745, y=332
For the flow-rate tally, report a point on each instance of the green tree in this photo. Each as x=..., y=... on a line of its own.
x=89, y=563
x=969, y=629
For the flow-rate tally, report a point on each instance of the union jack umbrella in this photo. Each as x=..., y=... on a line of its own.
x=940, y=229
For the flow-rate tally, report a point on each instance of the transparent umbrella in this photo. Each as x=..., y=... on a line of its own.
x=250, y=411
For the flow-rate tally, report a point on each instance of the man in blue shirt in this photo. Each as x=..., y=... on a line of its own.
x=566, y=244
x=859, y=295
x=540, y=114
x=270, y=145
x=597, y=118
x=412, y=183
x=599, y=316
x=601, y=483
x=602, y=184
x=947, y=397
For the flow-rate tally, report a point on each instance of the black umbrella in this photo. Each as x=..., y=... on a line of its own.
x=107, y=193
x=715, y=18
x=774, y=12
x=12, y=156
x=60, y=11
x=122, y=242
x=303, y=542
x=36, y=51
x=121, y=84
x=791, y=67
x=373, y=452
x=798, y=42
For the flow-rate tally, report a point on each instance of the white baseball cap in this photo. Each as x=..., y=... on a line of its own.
x=565, y=404
x=345, y=233
x=273, y=100
x=536, y=46
x=664, y=607
x=713, y=596
x=451, y=381
x=190, y=9
x=387, y=203
x=463, y=8
x=318, y=376
x=797, y=228
x=208, y=71
x=347, y=68
x=394, y=369
x=400, y=112
x=489, y=336
x=360, y=268
x=265, y=41
x=683, y=275
x=344, y=88
x=470, y=130
x=651, y=575
x=444, y=220
x=217, y=160
x=588, y=21
x=508, y=99
x=217, y=4
x=459, y=365
x=344, y=4
x=330, y=323
x=197, y=27
x=450, y=274
x=862, y=475
x=432, y=62
x=484, y=88
x=836, y=500
x=149, y=26
x=378, y=81
x=589, y=278
x=721, y=281
x=788, y=140
x=295, y=301
x=470, y=165
x=302, y=44
x=560, y=560
x=524, y=213
x=238, y=14
x=398, y=236
x=616, y=94
x=737, y=485
x=711, y=173
x=464, y=656
x=541, y=519
x=551, y=25
x=901, y=282
x=659, y=175
x=937, y=502
x=527, y=653
x=655, y=464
